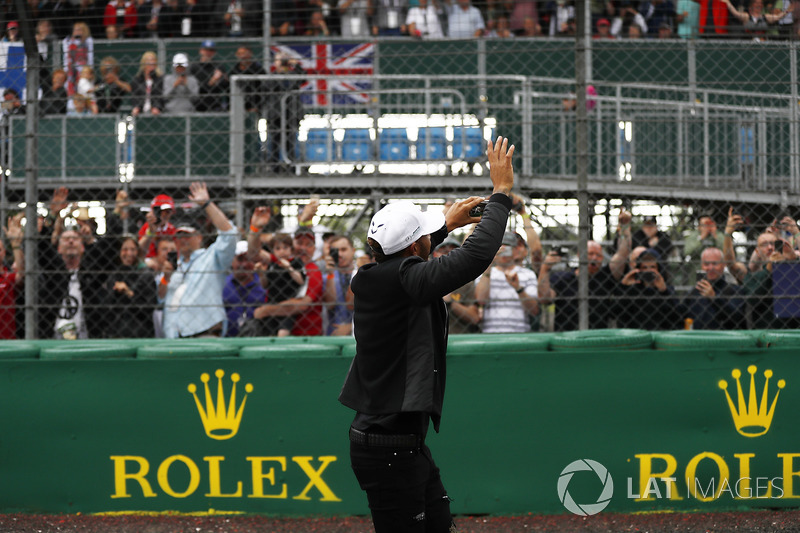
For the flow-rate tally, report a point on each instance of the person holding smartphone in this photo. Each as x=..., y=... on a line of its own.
x=560, y=285
x=714, y=303
x=181, y=89
x=646, y=300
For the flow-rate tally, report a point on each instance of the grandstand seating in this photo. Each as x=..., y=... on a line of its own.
x=432, y=143
x=357, y=145
x=319, y=145
x=468, y=143
x=394, y=145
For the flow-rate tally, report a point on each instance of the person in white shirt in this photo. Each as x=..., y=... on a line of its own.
x=423, y=21
x=354, y=15
x=507, y=292
x=464, y=21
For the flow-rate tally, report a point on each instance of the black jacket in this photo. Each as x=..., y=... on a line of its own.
x=400, y=321
x=54, y=285
x=139, y=92
x=130, y=317
x=725, y=311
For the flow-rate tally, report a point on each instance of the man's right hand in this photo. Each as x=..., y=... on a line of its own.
x=458, y=214
x=501, y=170
x=630, y=278
x=705, y=289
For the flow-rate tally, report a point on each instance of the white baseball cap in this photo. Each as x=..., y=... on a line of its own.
x=398, y=225
x=241, y=247
x=180, y=60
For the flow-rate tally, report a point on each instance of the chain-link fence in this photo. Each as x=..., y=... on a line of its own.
x=686, y=135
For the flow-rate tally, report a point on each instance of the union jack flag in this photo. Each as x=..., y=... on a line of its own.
x=333, y=60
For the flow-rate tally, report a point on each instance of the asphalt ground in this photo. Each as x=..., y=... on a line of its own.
x=751, y=521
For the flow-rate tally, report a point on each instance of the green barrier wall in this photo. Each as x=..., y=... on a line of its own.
x=128, y=434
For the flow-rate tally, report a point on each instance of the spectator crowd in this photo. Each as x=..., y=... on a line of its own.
x=457, y=19
x=82, y=84
x=188, y=271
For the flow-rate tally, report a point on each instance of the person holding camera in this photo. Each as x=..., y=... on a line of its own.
x=714, y=303
x=338, y=297
x=507, y=292
x=756, y=278
x=646, y=300
x=181, y=89
x=561, y=287
x=396, y=382
x=157, y=224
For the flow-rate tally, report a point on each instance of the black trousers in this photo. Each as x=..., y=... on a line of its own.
x=404, y=490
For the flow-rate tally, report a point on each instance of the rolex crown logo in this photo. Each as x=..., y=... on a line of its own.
x=220, y=421
x=752, y=418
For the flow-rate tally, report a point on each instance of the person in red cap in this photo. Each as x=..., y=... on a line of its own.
x=157, y=223
x=12, y=32
x=603, y=29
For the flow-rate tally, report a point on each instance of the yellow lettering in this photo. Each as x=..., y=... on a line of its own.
x=259, y=476
x=163, y=476
x=315, y=478
x=789, y=474
x=691, y=475
x=214, y=479
x=646, y=474
x=743, y=489
x=121, y=475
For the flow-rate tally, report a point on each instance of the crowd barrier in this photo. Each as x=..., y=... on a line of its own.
x=614, y=420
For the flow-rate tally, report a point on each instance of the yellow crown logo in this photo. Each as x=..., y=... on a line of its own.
x=220, y=423
x=753, y=419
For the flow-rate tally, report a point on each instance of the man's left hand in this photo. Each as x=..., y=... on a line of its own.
x=659, y=282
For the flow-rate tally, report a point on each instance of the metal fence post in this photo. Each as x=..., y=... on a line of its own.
x=582, y=43
x=237, y=140
x=794, y=143
x=31, y=163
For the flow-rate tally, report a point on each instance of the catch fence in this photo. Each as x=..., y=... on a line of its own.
x=677, y=130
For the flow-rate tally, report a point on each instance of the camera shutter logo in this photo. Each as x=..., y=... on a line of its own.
x=586, y=509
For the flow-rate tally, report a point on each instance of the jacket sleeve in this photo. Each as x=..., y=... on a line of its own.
x=425, y=281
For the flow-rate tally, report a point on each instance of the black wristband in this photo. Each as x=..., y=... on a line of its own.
x=519, y=291
x=203, y=207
